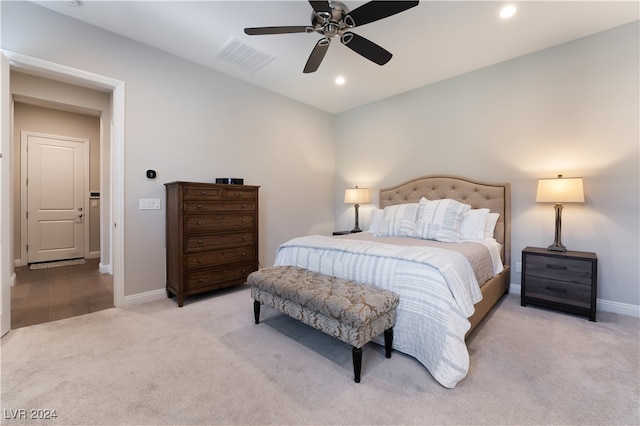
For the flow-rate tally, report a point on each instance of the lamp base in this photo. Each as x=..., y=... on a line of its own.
x=557, y=247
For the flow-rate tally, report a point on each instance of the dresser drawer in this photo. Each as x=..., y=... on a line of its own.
x=563, y=269
x=218, y=276
x=558, y=291
x=238, y=193
x=219, y=257
x=196, y=192
x=217, y=223
x=195, y=207
x=199, y=243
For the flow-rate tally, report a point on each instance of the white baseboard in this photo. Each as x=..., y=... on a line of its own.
x=601, y=304
x=148, y=296
x=12, y=280
x=618, y=308
x=104, y=269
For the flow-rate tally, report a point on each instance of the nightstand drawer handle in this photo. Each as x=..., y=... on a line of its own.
x=557, y=290
x=559, y=267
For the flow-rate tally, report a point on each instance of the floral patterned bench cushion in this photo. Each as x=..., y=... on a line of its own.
x=346, y=301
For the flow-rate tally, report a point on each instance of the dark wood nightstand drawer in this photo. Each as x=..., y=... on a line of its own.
x=572, y=270
x=559, y=291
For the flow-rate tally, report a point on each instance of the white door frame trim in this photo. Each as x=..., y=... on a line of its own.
x=24, y=135
x=82, y=78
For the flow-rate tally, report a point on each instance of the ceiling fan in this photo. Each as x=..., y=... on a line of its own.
x=332, y=18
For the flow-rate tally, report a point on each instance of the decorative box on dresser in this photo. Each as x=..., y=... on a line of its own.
x=212, y=236
x=565, y=281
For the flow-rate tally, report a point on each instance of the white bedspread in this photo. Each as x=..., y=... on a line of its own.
x=437, y=289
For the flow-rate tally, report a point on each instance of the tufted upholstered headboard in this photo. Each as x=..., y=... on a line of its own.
x=495, y=196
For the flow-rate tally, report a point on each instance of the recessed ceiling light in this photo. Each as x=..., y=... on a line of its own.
x=340, y=80
x=507, y=11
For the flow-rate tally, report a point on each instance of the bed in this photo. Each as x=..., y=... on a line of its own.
x=447, y=284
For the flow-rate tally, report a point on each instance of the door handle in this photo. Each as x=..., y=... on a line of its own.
x=80, y=215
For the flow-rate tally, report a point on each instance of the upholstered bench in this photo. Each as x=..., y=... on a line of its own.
x=354, y=313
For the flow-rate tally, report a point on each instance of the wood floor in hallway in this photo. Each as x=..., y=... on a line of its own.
x=52, y=294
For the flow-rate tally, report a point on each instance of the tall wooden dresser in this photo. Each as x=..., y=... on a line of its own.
x=212, y=236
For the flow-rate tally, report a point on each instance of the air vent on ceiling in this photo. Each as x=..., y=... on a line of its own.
x=243, y=55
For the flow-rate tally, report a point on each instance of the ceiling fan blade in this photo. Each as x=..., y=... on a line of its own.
x=320, y=6
x=275, y=30
x=366, y=48
x=317, y=54
x=375, y=10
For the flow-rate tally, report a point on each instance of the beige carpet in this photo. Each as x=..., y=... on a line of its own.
x=208, y=363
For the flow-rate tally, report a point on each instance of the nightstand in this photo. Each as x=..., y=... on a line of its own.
x=344, y=232
x=565, y=281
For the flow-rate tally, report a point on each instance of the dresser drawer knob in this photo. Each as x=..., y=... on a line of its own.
x=244, y=237
x=244, y=254
x=203, y=192
x=199, y=222
x=200, y=280
x=242, y=220
x=199, y=260
x=199, y=206
x=200, y=242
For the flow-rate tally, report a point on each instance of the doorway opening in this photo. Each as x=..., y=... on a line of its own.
x=112, y=176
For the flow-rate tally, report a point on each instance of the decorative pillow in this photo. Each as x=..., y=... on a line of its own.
x=490, y=225
x=472, y=224
x=440, y=219
x=398, y=221
x=376, y=220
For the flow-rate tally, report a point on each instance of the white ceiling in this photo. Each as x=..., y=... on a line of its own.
x=430, y=42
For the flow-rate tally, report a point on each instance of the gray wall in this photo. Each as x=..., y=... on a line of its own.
x=572, y=109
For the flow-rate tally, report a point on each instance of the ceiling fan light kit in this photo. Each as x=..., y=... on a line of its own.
x=333, y=19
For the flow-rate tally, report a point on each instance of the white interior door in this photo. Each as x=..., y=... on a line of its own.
x=55, y=197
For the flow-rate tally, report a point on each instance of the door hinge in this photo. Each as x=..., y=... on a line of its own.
x=27, y=247
x=27, y=215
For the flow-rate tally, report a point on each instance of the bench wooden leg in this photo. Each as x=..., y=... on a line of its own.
x=357, y=363
x=388, y=342
x=256, y=311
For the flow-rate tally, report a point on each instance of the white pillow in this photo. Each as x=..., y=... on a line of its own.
x=376, y=220
x=490, y=225
x=398, y=221
x=440, y=219
x=472, y=224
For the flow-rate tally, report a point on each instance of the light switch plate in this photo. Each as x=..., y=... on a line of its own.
x=149, y=203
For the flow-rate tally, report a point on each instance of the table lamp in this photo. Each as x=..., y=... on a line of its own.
x=559, y=190
x=356, y=196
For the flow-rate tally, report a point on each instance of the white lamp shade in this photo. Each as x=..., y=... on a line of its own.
x=357, y=195
x=560, y=190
